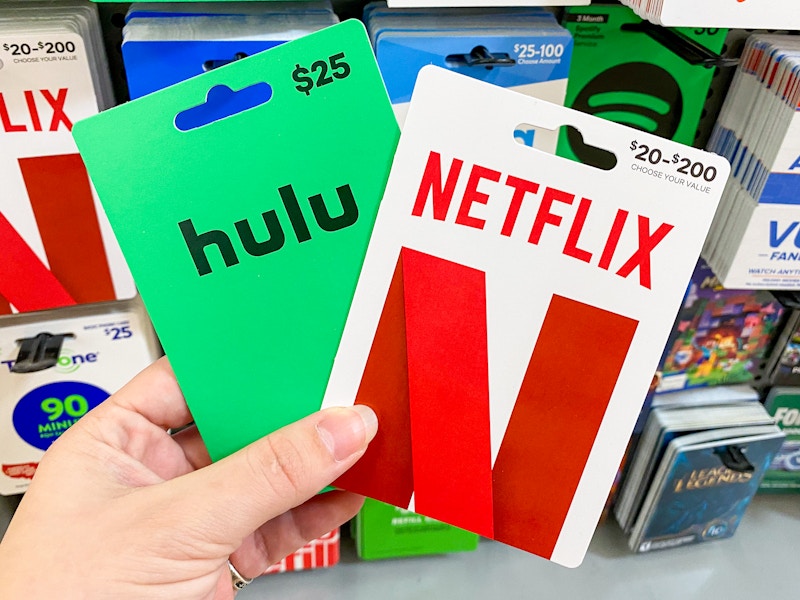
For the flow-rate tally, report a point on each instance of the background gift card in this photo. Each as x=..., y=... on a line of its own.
x=783, y=475
x=651, y=89
x=494, y=272
x=752, y=242
x=164, y=44
x=246, y=235
x=700, y=495
x=58, y=248
x=102, y=346
x=521, y=48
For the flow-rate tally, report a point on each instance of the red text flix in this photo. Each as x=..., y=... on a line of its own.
x=44, y=112
x=440, y=192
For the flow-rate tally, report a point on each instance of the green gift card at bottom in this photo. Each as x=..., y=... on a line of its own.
x=385, y=531
x=783, y=475
x=243, y=200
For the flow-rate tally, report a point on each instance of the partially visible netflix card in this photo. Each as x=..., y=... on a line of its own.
x=512, y=308
x=56, y=246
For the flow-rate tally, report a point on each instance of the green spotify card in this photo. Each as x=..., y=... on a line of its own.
x=243, y=200
x=621, y=74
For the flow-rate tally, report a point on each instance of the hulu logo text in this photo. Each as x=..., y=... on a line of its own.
x=197, y=243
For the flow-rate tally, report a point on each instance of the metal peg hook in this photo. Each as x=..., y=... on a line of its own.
x=682, y=45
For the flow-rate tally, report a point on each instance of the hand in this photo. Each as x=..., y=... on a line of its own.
x=120, y=509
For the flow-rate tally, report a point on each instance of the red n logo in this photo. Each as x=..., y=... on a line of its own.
x=63, y=206
x=427, y=377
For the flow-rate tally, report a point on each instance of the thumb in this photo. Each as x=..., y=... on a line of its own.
x=276, y=473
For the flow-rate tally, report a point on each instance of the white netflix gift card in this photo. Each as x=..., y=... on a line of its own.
x=511, y=311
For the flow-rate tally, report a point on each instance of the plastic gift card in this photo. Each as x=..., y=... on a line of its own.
x=246, y=234
x=512, y=308
x=320, y=553
x=171, y=8
x=384, y=531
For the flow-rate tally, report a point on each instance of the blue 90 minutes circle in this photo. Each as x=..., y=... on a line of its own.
x=44, y=413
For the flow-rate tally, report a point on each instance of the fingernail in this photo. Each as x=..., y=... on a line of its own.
x=346, y=431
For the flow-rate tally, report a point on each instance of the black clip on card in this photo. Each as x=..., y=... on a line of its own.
x=733, y=457
x=39, y=353
x=480, y=56
x=682, y=45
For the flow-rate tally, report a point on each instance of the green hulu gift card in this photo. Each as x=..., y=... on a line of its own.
x=243, y=201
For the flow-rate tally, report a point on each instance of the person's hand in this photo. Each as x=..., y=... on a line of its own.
x=120, y=509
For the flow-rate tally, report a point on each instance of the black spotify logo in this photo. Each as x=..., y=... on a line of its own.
x=641, y=95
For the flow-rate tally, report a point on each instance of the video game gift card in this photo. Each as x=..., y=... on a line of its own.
x=510, y=313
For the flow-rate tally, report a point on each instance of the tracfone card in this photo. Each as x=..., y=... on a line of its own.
x=103, y=346
x=511, y=310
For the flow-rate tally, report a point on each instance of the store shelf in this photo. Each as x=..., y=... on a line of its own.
x=758, y=562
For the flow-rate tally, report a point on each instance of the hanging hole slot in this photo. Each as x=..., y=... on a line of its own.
x=586, y=153
x=223, y=102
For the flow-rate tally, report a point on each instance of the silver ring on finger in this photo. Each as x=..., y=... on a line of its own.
x=237, y=579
